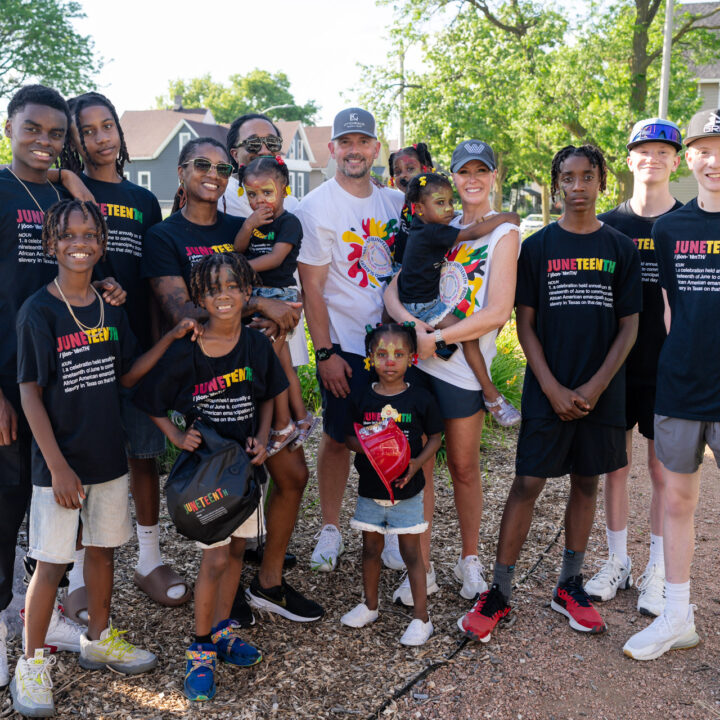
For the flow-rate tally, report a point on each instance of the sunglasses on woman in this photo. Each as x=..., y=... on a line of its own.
x=224, y=170
x=253, y=144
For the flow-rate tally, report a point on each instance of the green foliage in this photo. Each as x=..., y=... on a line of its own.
x=255, y=92
x=308, y=379
x=5, y=150
x=39, y=44
x=508, y=366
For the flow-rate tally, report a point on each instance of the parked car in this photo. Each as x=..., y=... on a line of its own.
x=532, y=223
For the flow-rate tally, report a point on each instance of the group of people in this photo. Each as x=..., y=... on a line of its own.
x=123, y=329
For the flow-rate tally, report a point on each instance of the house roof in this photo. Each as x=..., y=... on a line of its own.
x=287, y=129
x=217, y=132
x=318, y=138
x=711, y=71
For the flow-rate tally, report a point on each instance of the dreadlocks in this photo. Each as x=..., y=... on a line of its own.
x=592, y=153
x=56, y=220
x=204, y=275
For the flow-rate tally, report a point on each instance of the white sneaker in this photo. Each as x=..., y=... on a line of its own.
x=651, y=585
x=31, y=687
x=113, y=651
x=360, y=616
x=470, y=572
x=62, y=634
x=391, y=556
x=404, y=594
x=662, y=634
x=417, y=633
x=611, y=577
x=329, y=547
x=4, y=675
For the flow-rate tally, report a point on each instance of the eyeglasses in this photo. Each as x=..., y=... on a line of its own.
x=253, y=144
x=658, y=131
x=224, y=170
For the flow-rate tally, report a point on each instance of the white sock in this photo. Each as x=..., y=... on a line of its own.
x=75, y=576
x=677, y=599
x=657, y=556
x=617, y=544
x=149, y=556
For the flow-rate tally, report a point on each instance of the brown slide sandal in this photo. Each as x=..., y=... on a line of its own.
x=155, y=585
x=74, y=604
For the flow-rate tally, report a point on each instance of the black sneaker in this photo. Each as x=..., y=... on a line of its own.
x=255, y=556
x=283, y=600
x=241, y=611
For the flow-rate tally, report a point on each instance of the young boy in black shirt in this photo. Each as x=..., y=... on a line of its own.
x=578, y=299
x=687, y=405
x=652, y=157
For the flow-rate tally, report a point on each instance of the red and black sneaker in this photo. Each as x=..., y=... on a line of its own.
x=571, y=600
x=485, y=615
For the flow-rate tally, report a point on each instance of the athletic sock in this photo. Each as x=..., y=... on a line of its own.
x=617, y=544
x=657, y=555
x=149, y=556
x=571, y=565
x=204, y=639
x=677, y=599
x=75, y=576
x=503, y=578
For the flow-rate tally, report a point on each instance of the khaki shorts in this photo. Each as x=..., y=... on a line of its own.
x=680, y=444
x=253, y=527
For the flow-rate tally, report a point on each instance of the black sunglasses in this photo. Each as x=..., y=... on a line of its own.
x=224, y=170
x=253, y=144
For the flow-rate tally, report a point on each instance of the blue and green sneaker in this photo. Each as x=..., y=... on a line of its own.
x=200, y=672
x=231, y=648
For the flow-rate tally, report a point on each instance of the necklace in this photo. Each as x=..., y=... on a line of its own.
x=27, y=189
x=82, y=326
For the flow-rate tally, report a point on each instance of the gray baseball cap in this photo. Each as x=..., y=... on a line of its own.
x=472, y=150
x=705, y=123
x=353, y=120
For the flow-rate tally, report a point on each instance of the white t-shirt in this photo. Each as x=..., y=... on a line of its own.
x=463, y=283
x=354, y=236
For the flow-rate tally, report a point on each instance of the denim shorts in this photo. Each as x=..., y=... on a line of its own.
x=288, y=294
x=405, y=517
x=431, y=312
x=143, y=437
x=105, y=515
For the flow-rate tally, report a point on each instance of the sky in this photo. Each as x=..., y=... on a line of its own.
x=316, y=43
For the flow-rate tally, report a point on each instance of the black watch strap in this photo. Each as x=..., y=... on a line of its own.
x=324, y=353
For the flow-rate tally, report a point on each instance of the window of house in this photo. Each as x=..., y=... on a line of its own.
x=293, y=183
x=126, y=174
x=144, y=179
x=300, y=185
x=184, y=139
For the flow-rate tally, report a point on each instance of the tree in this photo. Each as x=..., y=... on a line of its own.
x=39, y=44
x=254, y=92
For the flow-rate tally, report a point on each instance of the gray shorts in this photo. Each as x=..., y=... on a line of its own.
x=680, y=444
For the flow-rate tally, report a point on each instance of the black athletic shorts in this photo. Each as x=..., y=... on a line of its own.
x=640, y=409
x=550, y=447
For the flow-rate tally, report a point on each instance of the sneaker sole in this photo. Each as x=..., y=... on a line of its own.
x=325, y=566
x=88, y=664
x=263, y=604
x=623, y=586
x=647, y=612
x=685, y=643
x=399, y=601
x=26, y=710
x=574, y=624
x=470, y=634
x=200, y=698
x=244, y=665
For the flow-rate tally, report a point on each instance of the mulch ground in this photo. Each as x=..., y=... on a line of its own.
x=536, y=667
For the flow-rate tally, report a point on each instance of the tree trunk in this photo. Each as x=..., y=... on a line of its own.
x=545, y=203
x=625, y=185
x=502, y=172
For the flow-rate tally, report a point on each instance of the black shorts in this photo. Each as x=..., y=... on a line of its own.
x=453, y=401
x=640, y=409
x=336, y=410
x=550, y=447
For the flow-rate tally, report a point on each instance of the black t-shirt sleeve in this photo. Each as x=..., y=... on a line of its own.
x=658, y=237
x=628, y=287
x=275, y=379
x=528, y=273
x=129, y=346
x=443, y=235
x=160, y=257
x=161, y=390
x=290, y=230
x=36, y=349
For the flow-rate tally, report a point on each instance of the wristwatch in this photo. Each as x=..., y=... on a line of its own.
x=324, y=353
x=440, y=344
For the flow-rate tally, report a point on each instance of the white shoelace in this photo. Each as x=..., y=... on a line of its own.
x=39, y=679
x=652, y=583
x=328, y=540
x=610, y=572
x=473, y=570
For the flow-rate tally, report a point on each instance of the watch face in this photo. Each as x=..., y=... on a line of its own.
x=322, y=353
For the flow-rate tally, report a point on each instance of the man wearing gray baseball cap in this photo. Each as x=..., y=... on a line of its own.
x=345, y=261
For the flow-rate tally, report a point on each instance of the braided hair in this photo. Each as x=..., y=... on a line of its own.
x=266, y=166
x=71, y=158
x=421, y=185
x=373, y=335
x=56, y=220
x=591, y=152
x=204, y=275
x=420, y=151
x=234, y=130
x=186, y=154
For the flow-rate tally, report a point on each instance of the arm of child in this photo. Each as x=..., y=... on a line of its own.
x=619, y=350
x=189, y=440
x=72, y=183
x=353, y=444
x=262, y=216
x=479, y=229
x=273, y=259
x=256, y=446
x=667, y=314
x=568, y=404
x=431, y=447
x=66, y=484
x=147, y=361
x=397, y=310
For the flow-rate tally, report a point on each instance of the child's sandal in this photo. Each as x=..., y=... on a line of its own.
x=306, y=427
x=504, y=413
x=282, y=438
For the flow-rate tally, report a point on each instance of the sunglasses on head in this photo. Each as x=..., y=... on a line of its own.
x=253, y=144
x=224, y=170
x=658, y=131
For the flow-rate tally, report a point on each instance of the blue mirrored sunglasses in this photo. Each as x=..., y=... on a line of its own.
x=658, y=131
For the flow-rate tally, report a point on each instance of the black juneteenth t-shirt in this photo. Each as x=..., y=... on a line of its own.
x=687, y=246
x=579, y=286
x=283, y=229
x=641, y=363
x=79, y=372
x=173, y=246
x=129, y=211
x=225, y=391
x=415, y=412
x=24, y=268
x=425, y=251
